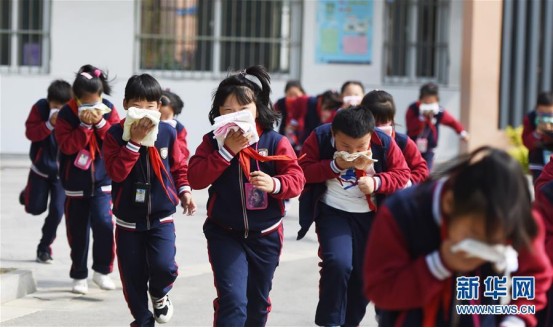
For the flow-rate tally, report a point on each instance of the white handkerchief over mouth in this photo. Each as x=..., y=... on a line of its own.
x=136, y=114
x=100, y=107
x=242, y=120
x=350, y=157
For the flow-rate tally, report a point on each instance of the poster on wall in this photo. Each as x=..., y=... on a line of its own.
x=344, y=31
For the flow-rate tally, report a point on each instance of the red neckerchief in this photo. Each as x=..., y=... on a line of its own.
x=93, y=142
x=157, y=165
x=248, y=153
x=443, y=299
x=362, y=173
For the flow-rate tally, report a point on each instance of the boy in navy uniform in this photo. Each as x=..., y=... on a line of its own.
x=43, y=177
x=349, y=167
x=148, y=181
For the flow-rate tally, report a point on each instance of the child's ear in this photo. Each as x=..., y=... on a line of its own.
x=448, y=202
x=125, y=104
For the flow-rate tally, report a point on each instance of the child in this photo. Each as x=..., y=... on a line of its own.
x=381, y=104
x=423, y=119
x=292, y=90
x=352, y=92
x=171, y=106
x=544, y=204
x=81, y=127
x=412, y=260
x=43, y=177
x=341, y=197
x=305, y=113
x=244, y=242
x=537, y=134
x=144, y=203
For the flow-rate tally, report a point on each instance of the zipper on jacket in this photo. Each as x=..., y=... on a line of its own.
x=243, y=200
x=150, y=195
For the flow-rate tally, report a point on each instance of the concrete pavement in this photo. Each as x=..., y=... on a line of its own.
x=295, y=286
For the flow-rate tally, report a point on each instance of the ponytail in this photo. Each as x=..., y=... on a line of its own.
x=90, y=79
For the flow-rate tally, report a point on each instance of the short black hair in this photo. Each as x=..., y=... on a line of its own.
x=293, y=84
x=60, y=91
x=345, y=85
x=331, y=100
x=490, y=182
x=172, y=100
x=90, y=79
x=429, y=89
x=545, y=99
x=381, y=104
x=245, y=88
x=355, y=122
x=143, y=87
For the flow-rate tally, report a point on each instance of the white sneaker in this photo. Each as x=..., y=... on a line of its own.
x=80, y=286
x=103, y=281
x=163, y=309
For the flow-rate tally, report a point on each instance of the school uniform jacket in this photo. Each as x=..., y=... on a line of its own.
x=226, y=205
x=544, y=203
x=403, y=271
x=128, y=163
x=44, y=149
x=72, y=136
x=181, y=137
x=534, y=142
x=418, y=125
x=319, y=166
x=413, y=158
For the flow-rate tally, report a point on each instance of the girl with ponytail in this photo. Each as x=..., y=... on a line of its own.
x=244, y=239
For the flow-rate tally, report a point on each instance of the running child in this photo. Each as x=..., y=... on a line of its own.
x=244, y=239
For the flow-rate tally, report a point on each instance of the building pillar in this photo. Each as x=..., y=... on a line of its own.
x=480, y=73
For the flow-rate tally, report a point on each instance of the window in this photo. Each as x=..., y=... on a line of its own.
x=416, y=41
x=207, y=38
x=24, y=36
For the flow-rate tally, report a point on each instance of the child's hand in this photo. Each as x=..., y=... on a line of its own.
x=84, y=116
x=95, y=116
x=236, y=141
x=54, y=118
x=458, y=261
x=342, y=163
x=140, y=129
x=188, y=204
x=367, y=185
x=262, y=181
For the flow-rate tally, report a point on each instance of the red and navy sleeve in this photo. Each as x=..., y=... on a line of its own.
x=417, y=164
x=315, y=169
x=414, y=124
x=103, y=126
x=179, y=168
x=119, y=158
x=181, y=137
x=208, y=164
x=393, y=279
x=533, y=262
x=450, y=121
x=530, y=138
x=289, y=180
x=36, y=129
x=397, y=172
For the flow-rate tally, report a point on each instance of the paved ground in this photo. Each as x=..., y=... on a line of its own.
x=294, y=294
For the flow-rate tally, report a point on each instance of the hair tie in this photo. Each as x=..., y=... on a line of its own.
x=87, y=75
x=97, y=72
x=254, y=79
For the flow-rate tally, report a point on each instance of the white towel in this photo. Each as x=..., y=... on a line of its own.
x=504, y=258
x=242, y=120
x=352, y=157
x=100, y=107
x=433, y=108
x=135, y=114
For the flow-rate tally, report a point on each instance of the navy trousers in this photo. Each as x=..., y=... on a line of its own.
x=342, y=240
x=429, y=158
x=243, y=269
x=146, y=263
x=36, y=201
x=82, y=214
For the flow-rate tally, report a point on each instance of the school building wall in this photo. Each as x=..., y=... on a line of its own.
x=103, y=35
